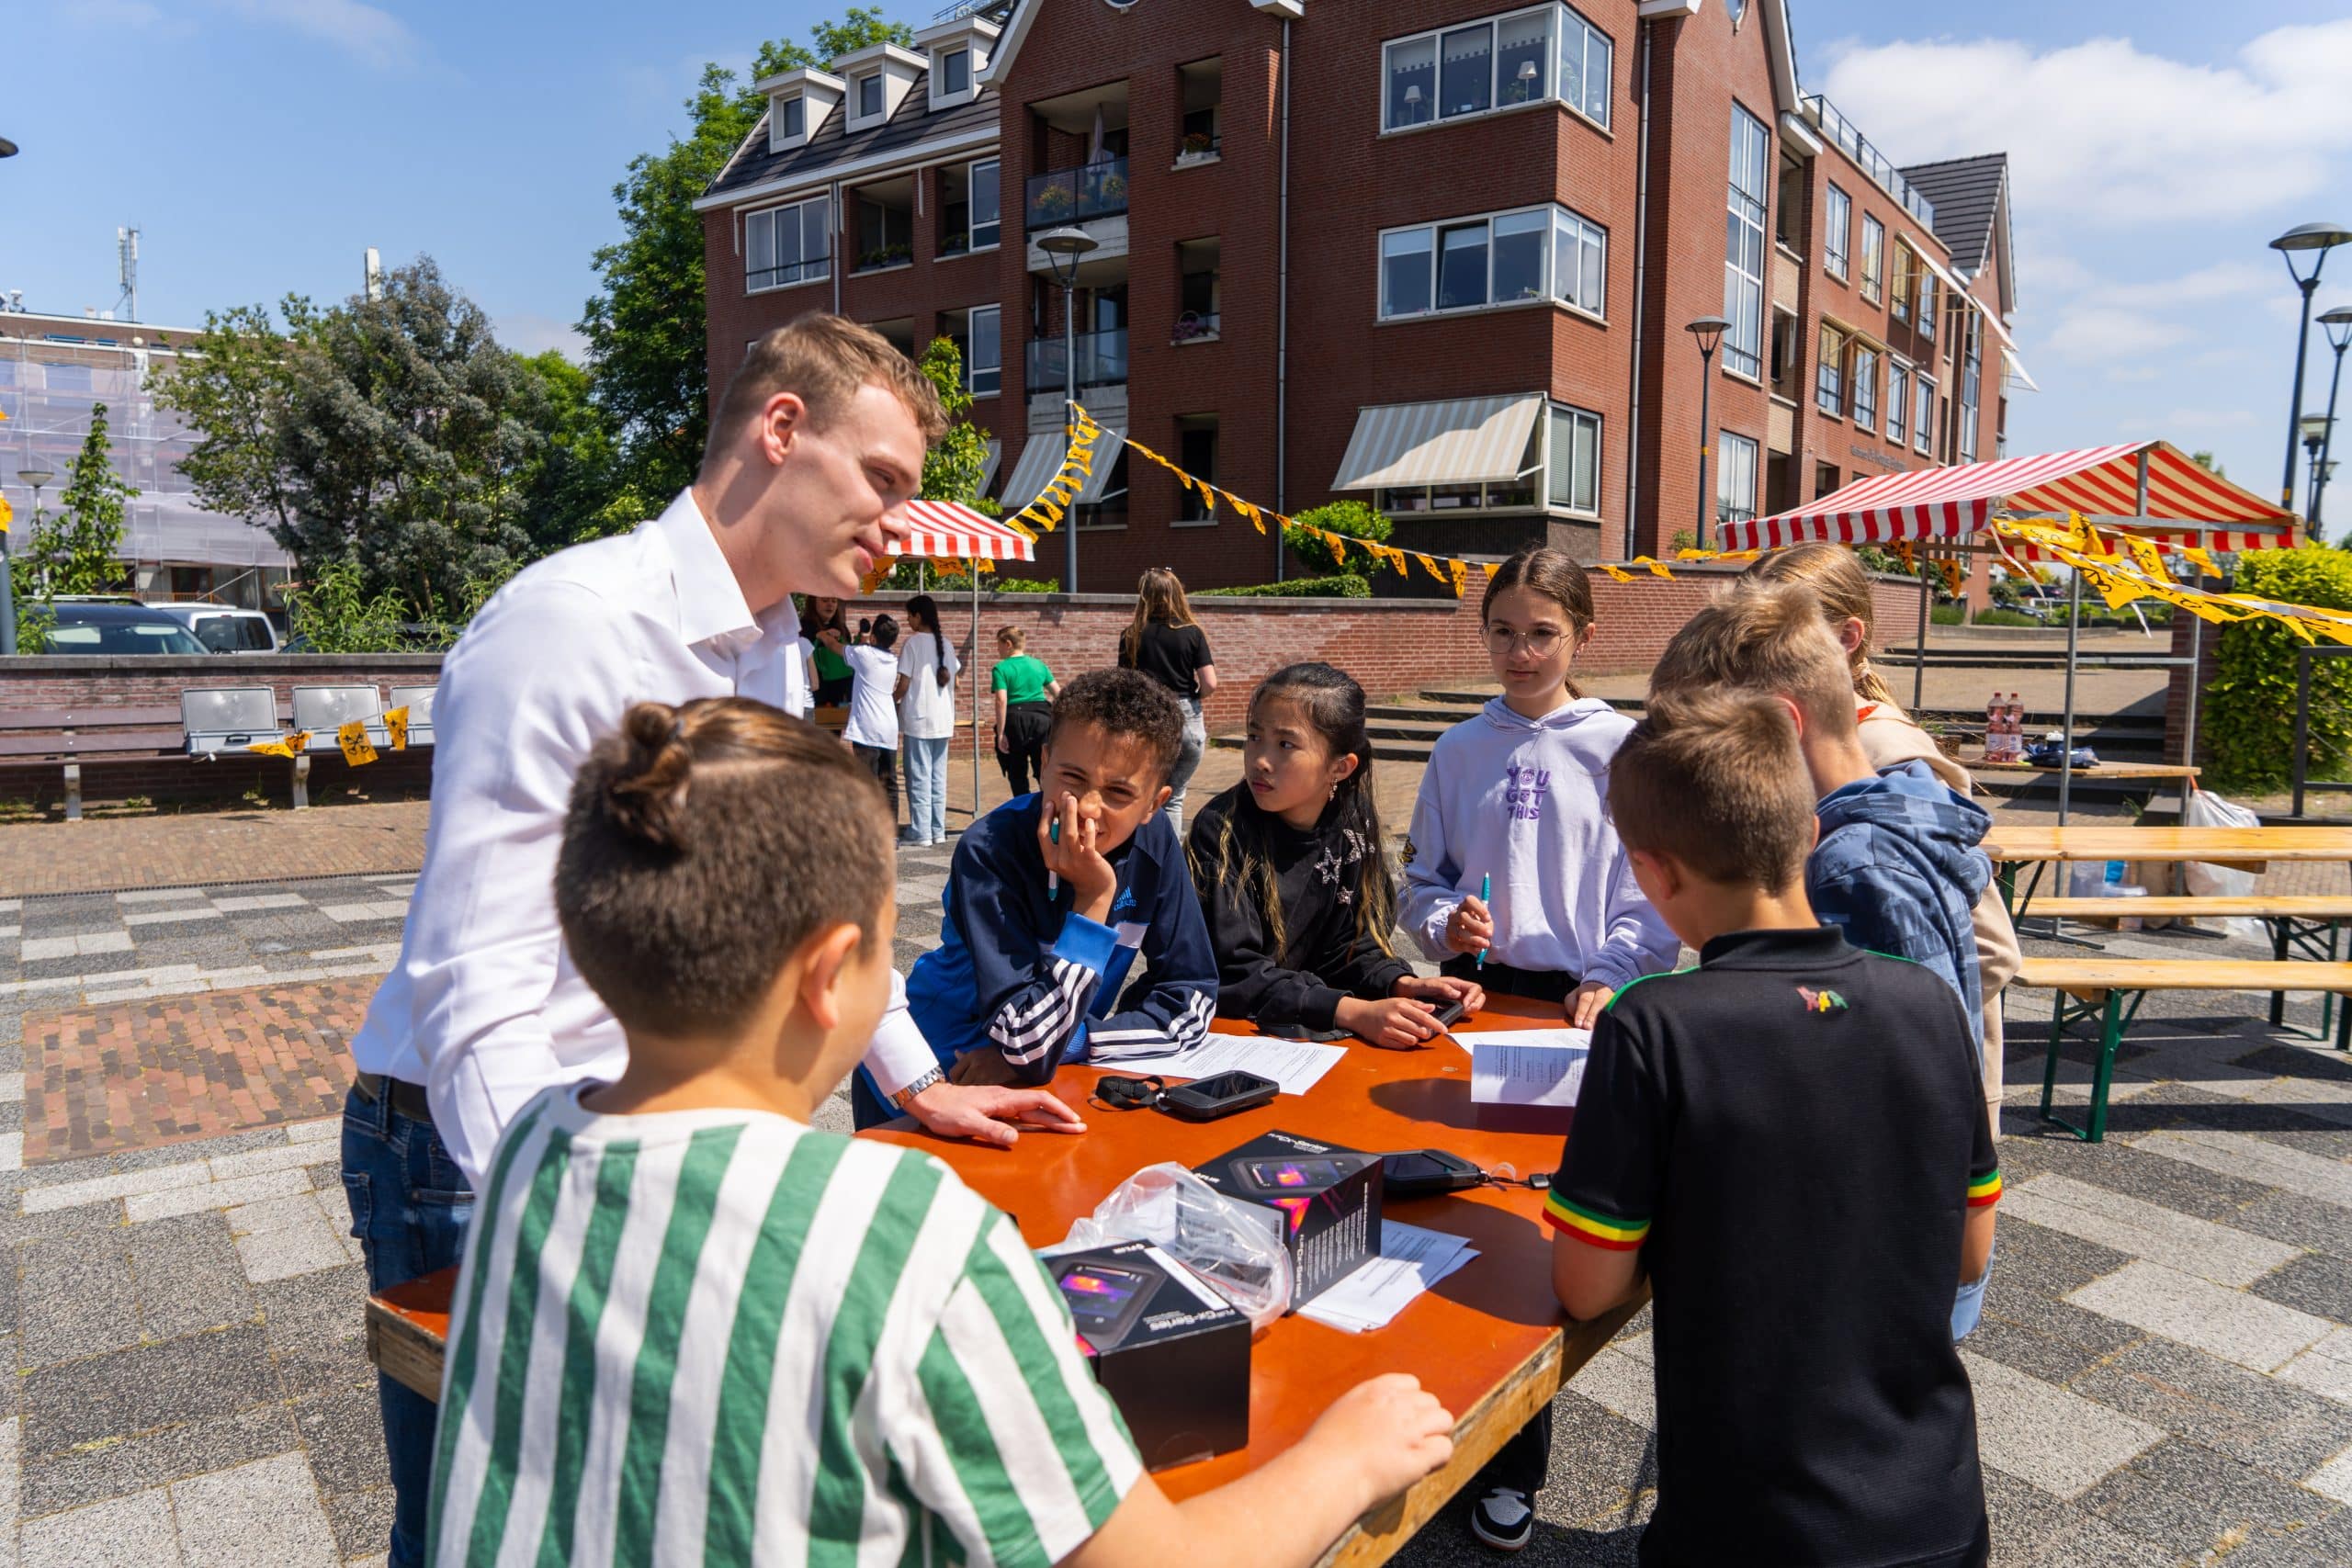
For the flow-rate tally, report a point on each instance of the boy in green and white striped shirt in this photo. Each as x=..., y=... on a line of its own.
x=691, y=1329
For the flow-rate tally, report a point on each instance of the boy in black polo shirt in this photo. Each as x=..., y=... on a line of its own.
x=1789, y=1141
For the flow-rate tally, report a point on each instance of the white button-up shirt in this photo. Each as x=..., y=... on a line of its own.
x=484, y=1007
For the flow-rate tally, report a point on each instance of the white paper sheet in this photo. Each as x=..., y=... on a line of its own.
x=1295, y=1065
x=1411, y=1260
x=1527, y=1067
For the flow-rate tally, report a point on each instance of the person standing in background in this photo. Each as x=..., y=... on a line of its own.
x=828, y=628
x=927, y=672
x=1024, y=690
x=872, y=730
x=1167, y=643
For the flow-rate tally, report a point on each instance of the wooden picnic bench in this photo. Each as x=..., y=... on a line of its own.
x=38, y=738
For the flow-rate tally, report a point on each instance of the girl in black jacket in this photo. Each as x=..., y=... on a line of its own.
x=1294, y=880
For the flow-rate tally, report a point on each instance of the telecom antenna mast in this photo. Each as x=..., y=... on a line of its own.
x=126, y=245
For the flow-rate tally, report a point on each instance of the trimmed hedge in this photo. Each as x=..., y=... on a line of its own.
x=2247, y=715
x=1297, y=588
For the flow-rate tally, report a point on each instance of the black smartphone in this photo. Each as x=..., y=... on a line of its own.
x=1103, y=1300
x=1205, y=1099
x=1451, y=1014
x=1418, y=1173
x=1271, y=1176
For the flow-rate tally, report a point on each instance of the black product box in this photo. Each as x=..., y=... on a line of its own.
x=1325, y=1197
x=1172, y=1354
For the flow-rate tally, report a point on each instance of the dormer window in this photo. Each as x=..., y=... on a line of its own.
x=957, y=54
x=795, y=114
x=869, y=95
x=955, y=73
x=799, y=101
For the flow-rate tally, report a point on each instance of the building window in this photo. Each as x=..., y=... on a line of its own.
x=1873, y=258
x=1829, y=373
x=955, y=72
x=1906, y=274
x=1735, y=481
x=1196, y=455
x=1824, y=479
x=795, y=112
x=1923, y=414
x=1202, y=85
x=785, y=245
x=1898, y=401
x=1499, y=63
x=869, y=95
x=886, y=224
x=1744, y=246
x=1784, y=355
x=1788, y=217
x=1837, y=224
x=1972, y=364
x=1494, y=260
x=967, y=208
x=1197, y=289
x=984, y=351
x=1865, y=388
x=1575, y=460
x=1926, y=303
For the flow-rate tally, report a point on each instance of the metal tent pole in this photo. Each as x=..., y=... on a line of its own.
x=975, y=672
x=2066, y=725
x=1919, y=650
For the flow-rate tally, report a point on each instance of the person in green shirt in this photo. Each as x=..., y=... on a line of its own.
x=827, y=628
x=1025, y=690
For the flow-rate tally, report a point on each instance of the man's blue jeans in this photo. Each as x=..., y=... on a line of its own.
x=410, y=1204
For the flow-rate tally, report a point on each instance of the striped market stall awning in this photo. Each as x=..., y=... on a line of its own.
x=950, y=530
x=2187, y=504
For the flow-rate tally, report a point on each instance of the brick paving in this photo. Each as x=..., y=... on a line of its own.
x=194, y=849
x=2163, y=1374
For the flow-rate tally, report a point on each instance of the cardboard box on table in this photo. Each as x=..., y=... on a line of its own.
x=1172, y=1354
x=1325, y=1197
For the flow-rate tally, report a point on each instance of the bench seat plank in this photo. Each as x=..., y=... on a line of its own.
x=2301, y=906
x=2182, y=975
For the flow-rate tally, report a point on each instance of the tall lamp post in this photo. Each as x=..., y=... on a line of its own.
x=1709, y=330
x=37, y=478
x=2318, y=239
x=2314, y=429
x=1064, y=248
x=2337, y=324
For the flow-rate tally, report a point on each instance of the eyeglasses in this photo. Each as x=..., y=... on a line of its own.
x=1542, y=642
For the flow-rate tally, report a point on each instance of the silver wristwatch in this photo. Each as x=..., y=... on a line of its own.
x=905, y=1098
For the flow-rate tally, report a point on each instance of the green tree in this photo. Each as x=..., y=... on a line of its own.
x=78, y=547
x=233, y=384
x=1310, y=556
x=647, y=354
x=2206, y=460
x=951, y=468
x=569, y=488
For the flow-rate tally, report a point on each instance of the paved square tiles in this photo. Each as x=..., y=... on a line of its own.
x=2229, y=1324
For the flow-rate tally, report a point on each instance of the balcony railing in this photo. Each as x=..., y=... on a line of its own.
x=1072, y=195
x=1101, y=361
x=1844, y=132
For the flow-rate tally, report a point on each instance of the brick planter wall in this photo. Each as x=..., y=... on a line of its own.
x=88, y=685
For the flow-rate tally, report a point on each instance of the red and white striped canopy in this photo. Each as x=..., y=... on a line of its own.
x=2098, y=482
x=949, y=530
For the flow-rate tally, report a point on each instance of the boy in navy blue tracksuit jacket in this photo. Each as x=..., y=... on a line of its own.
x=1051, y=897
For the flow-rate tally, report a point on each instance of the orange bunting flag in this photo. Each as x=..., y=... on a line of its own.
x=396, y=726
x=1617, y=572
x=1461, y=571
x=1257, y=518
x=2201, y=559
x=1430, y=566
x=1656, y=568
x=1951, y=577
x=2151, y=559
x=352, y=738
x=1490, y=567
x=288, y=745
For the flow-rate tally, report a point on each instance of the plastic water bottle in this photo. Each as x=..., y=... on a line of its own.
x=1995, y=722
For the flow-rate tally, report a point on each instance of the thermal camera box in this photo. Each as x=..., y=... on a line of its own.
x=1172, y=1354
x=1326, y=1196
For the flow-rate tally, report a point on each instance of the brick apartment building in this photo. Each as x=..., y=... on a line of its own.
x=1434, y=255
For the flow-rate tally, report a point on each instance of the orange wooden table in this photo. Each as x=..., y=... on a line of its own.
x=1490, y=1340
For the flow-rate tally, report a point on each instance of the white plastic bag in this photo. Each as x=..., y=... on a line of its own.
x=1236, y=1247
x=2206, y=809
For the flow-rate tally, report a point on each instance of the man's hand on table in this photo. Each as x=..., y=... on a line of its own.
x=996, y=1114
x=1585, y=1004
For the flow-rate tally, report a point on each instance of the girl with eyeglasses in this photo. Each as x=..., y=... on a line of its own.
x=1517, y=798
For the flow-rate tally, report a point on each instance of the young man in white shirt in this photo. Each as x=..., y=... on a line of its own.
x=813, y=454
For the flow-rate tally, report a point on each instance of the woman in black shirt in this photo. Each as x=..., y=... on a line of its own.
x=1167, y=643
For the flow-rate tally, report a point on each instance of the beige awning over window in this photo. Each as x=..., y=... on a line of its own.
x=989, y=464
x=1466, y=441
x=1041, y=459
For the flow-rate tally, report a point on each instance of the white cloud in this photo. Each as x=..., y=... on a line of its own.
x=126, y=16
x=364, y=31
x=2132, y=321
x=2207, y=419
x=528, y=333
x=2102, y=132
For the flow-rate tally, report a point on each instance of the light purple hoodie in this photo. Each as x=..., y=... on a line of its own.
x=1525, y=801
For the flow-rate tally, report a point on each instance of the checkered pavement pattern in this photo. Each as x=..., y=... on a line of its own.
x=2163, y=1374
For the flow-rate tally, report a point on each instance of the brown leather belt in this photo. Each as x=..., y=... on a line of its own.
x=408, y=1099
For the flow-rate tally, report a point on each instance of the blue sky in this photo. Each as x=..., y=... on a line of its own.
x=263, y=144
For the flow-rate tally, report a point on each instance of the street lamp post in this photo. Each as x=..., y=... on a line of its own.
x=1065, y=247
x=1709, y=330
x=2314, y=429
x=2319, y=239
x=2337, y=324
x=37, y=478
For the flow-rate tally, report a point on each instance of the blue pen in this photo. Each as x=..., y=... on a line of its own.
x=1485, y=891
x=1054, y=879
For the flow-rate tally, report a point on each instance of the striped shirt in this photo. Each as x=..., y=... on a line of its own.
x=721, y=1336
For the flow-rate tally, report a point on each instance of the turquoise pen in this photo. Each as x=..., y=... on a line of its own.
x=1485, y=891
x=1054, y=879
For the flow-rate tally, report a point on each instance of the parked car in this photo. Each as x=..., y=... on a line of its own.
x=222, y=628
x=82, y=627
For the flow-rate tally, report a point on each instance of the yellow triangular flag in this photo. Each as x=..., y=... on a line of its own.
x=7, y=514
x=352, y=738
x=1430, y=566
x=1461, y=571
x=1617, y=572
x=2151, y=559
x=396, y=726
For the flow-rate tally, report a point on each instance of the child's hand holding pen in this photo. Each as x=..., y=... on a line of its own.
x=1065, y=841
x=1471, y=927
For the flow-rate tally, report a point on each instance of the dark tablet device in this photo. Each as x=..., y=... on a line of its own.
x=1205, y=1099
x=1418, y=1173
x=1103, y=1300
